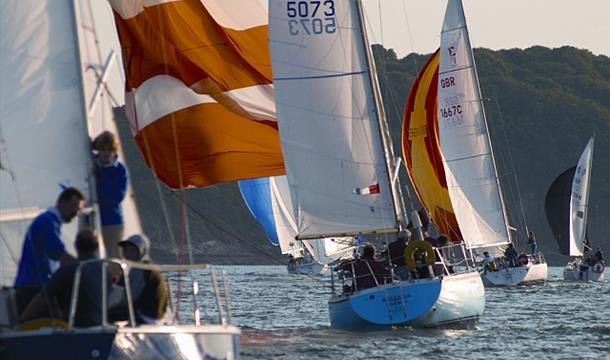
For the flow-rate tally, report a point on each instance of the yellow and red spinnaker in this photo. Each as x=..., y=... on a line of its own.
x=199, y=92
x=421, y=149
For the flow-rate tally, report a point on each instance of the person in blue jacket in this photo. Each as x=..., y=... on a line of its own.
x=111, y=183
x=43, y=248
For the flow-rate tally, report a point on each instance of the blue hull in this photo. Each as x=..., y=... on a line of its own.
x=439, y=302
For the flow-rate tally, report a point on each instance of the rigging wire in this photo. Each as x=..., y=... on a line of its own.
x=242, y=240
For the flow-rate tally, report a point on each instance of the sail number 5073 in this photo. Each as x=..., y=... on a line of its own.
x=311, y=17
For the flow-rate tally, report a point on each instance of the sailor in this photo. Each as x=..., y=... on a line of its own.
x=59, y=289
x=511, y=255
x=531, y=242
x=147, y=286
x=43, y=248
x=111, y=184
x=488, y=261
x=396, y=254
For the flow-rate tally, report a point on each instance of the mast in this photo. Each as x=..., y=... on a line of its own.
x=397, y=201
x=95, y=221
x=493, y=159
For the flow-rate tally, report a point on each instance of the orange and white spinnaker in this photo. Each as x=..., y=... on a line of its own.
x=421, y=150
x=199, y=93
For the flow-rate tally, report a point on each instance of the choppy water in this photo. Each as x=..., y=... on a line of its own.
x=286, y=317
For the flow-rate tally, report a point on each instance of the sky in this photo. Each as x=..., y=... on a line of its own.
x=414, y=25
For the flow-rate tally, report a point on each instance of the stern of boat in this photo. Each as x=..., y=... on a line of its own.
x=387, y=305
x=459, y=305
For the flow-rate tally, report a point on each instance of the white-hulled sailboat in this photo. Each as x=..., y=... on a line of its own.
x=269, y=202
x=341, y=169
x=472, y=178
x=566, y=207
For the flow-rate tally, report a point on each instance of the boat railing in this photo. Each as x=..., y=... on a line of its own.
x=218, y=287
x=501, y=262
x=454, y=259
x=450, y=260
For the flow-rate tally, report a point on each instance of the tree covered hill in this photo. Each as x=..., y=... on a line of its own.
x=542, y=106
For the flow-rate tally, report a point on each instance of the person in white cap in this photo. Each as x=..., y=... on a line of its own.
x=147, y=286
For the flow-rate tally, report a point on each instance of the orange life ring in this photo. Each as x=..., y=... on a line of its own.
x=412, y=247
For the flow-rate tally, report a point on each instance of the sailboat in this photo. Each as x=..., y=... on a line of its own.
x=566, y=207
x=47, y=109
x=341, y=168
x=468, y=160
x=269, y=202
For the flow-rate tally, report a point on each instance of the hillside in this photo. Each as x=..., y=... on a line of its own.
x=543, y=105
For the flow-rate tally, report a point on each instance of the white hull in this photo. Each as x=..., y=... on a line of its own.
x=313, y=268
x=510, y=276
x=141, y=342
x=573, y=273
x=462, y=300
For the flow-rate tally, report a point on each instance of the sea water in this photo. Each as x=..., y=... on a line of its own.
x=284, y=316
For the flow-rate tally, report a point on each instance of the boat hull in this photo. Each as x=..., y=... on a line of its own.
x=437, y=302
x=573, y=273
x=461, y=302
x=510, y=276
x=142, y=342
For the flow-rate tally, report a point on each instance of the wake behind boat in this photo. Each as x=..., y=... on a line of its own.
x=566, y=208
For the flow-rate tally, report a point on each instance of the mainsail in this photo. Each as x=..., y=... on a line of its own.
x=328, y=120
x=468, y=159
x=199, y=89
x=557, y=210
x=566, y=204
x=52, y=100
x=421, y=149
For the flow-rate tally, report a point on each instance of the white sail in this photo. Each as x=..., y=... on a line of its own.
x=43, y=135
x=46, y=94
x=329, y=132
x=285, y=226
x=103, y=83
x=579, y=199
x=467, y=154
x=329, y=250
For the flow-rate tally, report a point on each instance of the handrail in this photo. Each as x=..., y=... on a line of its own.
x=126, y=267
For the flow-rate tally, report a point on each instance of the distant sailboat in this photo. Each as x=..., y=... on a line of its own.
x=269, y=201
x=566, y=207
x=472, y=181
x=341, y=168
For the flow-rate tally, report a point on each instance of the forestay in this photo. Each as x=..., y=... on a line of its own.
x=43, y=130
x=467, y=154
x=579, y=200
x=327, y=119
